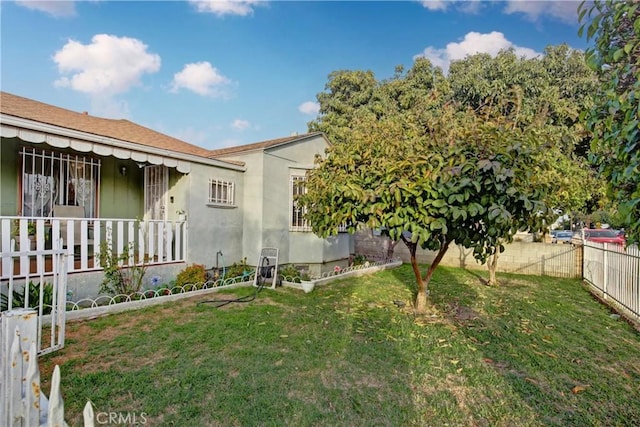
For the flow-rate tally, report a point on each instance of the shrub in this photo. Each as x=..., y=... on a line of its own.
x=120, y=278
x=291, y=273
x=192, y=275
x=238, y=269
x=359, y=259
x=33, y=290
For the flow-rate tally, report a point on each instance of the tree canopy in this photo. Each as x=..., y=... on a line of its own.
x=614, y=119
x=429, y=170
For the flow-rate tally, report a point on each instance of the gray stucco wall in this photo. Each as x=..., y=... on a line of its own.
x=210, y=228
x=267, y=204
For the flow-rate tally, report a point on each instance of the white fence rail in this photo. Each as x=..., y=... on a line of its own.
x=47, y=295
x=614, y=272
x=158, y=242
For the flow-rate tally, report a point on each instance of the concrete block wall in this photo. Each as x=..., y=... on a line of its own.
x=544, y=259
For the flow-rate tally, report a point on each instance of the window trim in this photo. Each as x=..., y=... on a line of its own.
x=295, y=213
x=222, y=202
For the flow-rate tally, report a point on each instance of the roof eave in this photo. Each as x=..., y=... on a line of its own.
x=28, y=124
x=257, y=149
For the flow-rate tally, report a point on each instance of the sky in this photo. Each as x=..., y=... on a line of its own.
x=224, y=73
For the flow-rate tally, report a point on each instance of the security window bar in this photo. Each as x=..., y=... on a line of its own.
x=51, y=178
x=221, y=192
x=298, y=187
x=156, y=183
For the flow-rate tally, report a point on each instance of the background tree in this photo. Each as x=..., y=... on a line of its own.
x=551, y=90
x=614, y=119
x=429, y=171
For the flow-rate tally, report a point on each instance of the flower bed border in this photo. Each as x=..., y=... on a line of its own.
x=112, y=306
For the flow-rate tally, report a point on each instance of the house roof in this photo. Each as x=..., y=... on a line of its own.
x=263, y=145
x=124, y=130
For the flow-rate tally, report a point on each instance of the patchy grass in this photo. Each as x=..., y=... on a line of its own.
x=534, y=351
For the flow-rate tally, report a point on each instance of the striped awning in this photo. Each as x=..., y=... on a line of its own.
x=101, y=149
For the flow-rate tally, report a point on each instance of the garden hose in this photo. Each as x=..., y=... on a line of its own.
x=262, y=273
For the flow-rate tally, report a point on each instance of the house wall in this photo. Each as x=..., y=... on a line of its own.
x=121, y=196
x=267, y=204
x=210, y=228
x=296, y=247
x=9, y=176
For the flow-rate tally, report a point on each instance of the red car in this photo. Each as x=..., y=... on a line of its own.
x=603, y=235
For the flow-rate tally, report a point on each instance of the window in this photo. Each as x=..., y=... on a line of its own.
x=297, y=222
x=52, y=178
x=221, y=192
x=156, y=184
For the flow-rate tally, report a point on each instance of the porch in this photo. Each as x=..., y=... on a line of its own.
x=152, y=242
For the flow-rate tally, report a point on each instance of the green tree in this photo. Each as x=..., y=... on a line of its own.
x=551, y=91
x=614, y=120
x=428, y=171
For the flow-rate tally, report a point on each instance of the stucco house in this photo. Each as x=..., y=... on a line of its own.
x=88, y=182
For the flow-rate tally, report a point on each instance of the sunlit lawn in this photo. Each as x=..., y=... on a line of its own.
x=534, y=351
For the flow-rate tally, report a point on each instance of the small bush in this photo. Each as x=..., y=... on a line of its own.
x=291, y=273
x=192, y=275
x=359, y=259
x=238, y=269
x=120, y=278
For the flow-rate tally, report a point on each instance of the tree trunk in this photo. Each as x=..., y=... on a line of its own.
x=423, y=292
x=391, y=248
x=492, y=264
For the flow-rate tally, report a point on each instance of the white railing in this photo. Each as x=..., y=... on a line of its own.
x=22, y=402
x=614, y=271
x=157, y=242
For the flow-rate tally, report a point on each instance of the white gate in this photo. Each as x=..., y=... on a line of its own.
x=47, y=294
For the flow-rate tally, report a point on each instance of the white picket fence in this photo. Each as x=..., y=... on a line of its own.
x=22, y=402
x=614, y=272
x=25, y=333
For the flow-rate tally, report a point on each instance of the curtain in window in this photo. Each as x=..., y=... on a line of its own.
x=50, y=178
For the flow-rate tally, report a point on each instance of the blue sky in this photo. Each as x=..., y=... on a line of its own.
x=223, y=73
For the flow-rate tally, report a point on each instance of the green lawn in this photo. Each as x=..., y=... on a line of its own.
x=535, y=351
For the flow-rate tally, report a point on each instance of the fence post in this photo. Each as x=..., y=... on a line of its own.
x=18, y=331
x=604, y=270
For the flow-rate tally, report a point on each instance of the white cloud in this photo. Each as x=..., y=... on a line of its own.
x=108, y=66
x=240, y=124
x=201, y=78
x=434, y=4
x=566, y=11
x=55, y=8
x=309, y=107
x=226, y=7
x=473, y=43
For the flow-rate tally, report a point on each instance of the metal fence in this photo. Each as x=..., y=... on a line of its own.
x=614, y=272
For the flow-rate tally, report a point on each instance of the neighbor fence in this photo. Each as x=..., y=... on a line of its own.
x=614, y=273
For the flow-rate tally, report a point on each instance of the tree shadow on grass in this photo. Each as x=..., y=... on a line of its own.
x=530, y=351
